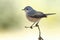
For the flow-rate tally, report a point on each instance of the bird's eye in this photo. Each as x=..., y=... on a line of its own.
x=26, y=9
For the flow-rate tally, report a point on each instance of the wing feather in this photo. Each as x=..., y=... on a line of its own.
x=38, y=15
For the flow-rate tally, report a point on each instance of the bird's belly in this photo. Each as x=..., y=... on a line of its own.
x=32, y=19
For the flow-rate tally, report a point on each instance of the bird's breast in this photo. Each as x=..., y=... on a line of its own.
x=32, y=19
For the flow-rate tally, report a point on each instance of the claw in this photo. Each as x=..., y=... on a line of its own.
x=31, y=27
x=36, y=25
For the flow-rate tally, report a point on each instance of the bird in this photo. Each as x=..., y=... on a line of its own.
x=34, y=16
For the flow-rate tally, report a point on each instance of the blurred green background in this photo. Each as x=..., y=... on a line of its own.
x=9, y=16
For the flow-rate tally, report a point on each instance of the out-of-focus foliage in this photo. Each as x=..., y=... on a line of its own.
x=9, y=18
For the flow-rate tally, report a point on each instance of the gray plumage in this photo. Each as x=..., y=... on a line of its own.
x=35, y=14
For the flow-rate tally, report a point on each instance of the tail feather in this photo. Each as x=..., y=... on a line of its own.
x=51, y=14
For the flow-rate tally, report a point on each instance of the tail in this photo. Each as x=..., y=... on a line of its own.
x=51, y=14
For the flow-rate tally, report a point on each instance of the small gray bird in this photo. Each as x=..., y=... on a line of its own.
x=34, y=16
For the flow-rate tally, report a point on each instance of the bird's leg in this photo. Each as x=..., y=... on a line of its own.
x=37, y=24
x=32, y=25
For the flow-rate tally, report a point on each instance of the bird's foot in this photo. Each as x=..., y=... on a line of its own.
x=29, y=27
x=36, y=25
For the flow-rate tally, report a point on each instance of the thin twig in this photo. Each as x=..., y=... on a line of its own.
x=39, y=31
x=40, y=38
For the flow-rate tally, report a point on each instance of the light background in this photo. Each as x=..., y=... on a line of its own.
x=50, y=26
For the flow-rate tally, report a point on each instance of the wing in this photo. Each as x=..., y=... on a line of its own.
x=38, y=15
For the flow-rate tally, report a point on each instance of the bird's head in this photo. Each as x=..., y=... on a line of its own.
x=28, y=9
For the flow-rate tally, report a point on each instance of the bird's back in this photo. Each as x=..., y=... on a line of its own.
x=37, y=14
